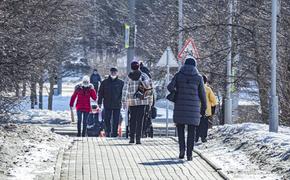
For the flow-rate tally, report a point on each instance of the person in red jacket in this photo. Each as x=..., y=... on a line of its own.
x=83, y=93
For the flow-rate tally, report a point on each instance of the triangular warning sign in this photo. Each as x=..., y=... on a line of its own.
x=188, y=49
x=171, y=59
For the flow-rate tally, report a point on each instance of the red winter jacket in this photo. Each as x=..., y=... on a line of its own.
x=83, y=95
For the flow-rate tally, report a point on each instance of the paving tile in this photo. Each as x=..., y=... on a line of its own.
x=113, y=158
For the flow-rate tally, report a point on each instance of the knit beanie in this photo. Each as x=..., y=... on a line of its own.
x=190, y=61
x=135, y=65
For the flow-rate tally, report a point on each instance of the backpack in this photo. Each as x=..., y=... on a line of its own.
x=142, y=91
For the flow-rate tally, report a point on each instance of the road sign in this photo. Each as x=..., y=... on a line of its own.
x=188, y=49
x=127, y=36
x=167, y=56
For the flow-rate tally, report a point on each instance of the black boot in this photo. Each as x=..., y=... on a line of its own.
x=181, y=155
x=138, y=140
x=131, y=140
x=189, y=158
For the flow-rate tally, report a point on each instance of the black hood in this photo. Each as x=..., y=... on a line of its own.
x=188, y=70
x=135, y=75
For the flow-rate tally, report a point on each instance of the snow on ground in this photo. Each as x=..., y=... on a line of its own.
x=37, y=116
x=249, y=151
x=60, y=103
x=28, y=152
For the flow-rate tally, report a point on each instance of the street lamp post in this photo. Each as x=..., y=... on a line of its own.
x=228, y=100
x=274, y=119
x=131, y=49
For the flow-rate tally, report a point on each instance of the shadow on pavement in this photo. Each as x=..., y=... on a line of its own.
x=163, y=162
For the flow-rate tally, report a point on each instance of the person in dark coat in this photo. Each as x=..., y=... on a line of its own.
x=145, y=70
x=83, y=93
x=136, y=100
x=110, y=94
x=190, y=104
x=95, y=79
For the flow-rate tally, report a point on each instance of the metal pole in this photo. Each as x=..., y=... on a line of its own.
x=135, y=36
x=180, y=28
x=131, y=49
x=274, y=118
x=180, y=24
x=167, y=82
x=228, y=101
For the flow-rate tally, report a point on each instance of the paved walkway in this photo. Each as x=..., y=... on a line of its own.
x=108, y=158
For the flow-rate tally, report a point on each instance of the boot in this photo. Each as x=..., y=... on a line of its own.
x=181, y=155
x=138, y=140
x=131, y=140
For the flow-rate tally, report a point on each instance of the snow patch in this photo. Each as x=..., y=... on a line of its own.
x=249, y=151
x=28, y=151
x=37, y=116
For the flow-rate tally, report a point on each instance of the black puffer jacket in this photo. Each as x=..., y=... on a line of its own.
x=190, y=100
x=111, y=93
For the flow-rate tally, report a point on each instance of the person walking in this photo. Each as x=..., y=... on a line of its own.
x=83, y=93
x=95, y=79
x=189, y=104
x=202, y=129
x=137, y=93
x=147, y=122
x=110, y=94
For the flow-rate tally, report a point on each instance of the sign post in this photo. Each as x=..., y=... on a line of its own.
x=167, y=82
x=167, y=59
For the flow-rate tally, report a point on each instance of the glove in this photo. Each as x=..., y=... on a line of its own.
x=213, y=110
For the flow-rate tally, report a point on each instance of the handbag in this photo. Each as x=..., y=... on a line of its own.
x=171, y=96
x=153, y=112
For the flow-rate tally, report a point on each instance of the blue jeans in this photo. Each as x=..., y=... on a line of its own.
x=82, y=116
x=112, y=131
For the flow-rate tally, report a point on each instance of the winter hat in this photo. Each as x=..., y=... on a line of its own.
x=113, y=69
x=135, y=65
x=190, y=60
x=86, y=81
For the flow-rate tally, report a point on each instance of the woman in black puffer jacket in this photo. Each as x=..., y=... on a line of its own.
x=190, y=104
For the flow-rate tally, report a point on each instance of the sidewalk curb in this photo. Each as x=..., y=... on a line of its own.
x=59, y=160
x=214, y=166
x=58, y=164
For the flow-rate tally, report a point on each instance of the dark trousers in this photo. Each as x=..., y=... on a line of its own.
x=112, y=128
x=147, y=119
x=136, y=121
x=202, y=129
x=82, y=117
x=190, y=138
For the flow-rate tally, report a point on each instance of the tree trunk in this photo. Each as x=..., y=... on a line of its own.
x=32, y=95
x=263, y=84
x=50, y=95
x=24, y=89
x=40, y=105
x=17, y=91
